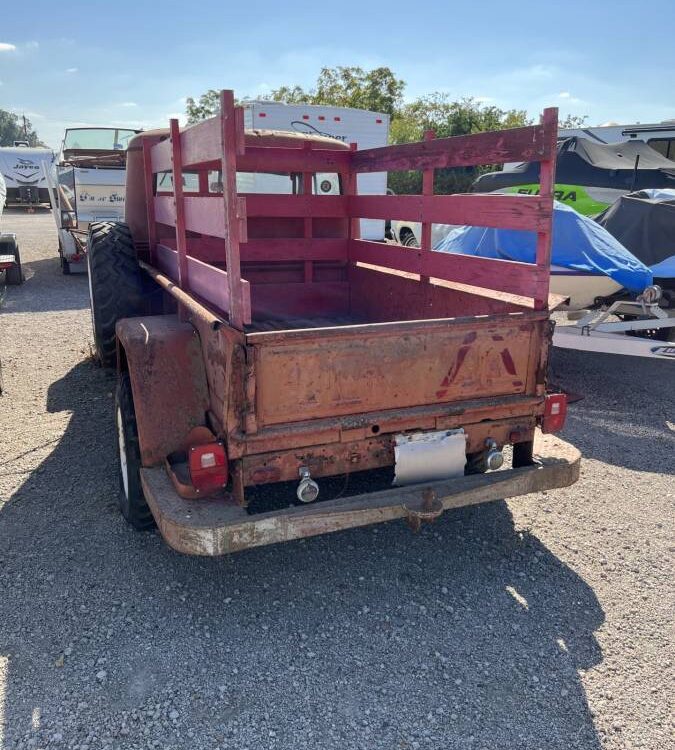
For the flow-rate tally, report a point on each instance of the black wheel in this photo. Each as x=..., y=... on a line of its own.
x=131, y=499
x=14, y=274
x=476, y=463
x=409, y=240
x=522, y=454
x=115, y=284
x=65, y=266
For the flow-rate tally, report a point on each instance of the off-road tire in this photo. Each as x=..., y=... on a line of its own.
x=115, y=284
x=132, y=502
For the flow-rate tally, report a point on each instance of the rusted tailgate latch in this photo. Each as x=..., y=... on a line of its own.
x=423, y=509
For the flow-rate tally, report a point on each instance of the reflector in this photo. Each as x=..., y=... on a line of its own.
x=208, y=467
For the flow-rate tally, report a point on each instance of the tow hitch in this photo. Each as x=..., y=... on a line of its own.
x=421, y=510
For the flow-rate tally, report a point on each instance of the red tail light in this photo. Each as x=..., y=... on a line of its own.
x=555, y=411
x=208, y=466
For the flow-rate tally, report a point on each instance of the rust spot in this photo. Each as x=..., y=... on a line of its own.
x=440, y=394
x=518, y=383
x=497, y=337
x=264, y=474
x=507, y=359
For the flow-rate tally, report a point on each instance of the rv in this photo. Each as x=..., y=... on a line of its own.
x=660, y=136
x=21, y=168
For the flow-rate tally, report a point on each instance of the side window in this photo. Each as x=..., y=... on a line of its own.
x=277, y=184
x=665, y=146
x=165, y=182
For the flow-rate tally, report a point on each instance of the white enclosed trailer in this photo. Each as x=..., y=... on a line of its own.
x=364, y=128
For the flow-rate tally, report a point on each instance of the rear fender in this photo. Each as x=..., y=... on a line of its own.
x=164, y=358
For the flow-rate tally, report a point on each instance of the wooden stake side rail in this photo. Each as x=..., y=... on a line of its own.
x=214, y=225
x=523, y=279
x=527, y=212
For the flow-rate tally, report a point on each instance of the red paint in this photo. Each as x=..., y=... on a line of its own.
x=305, y=117
x=507, y=359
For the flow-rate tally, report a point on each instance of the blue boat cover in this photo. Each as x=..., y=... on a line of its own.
x=578, y=243
x=665, y=269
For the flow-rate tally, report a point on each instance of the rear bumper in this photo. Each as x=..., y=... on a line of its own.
x=217, y=527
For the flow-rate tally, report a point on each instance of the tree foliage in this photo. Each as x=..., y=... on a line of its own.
x=207, y=105
x=12, y=129
x=445, y=117
x=379, y=90
x=573, y=121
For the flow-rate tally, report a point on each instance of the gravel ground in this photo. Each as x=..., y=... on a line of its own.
x=544, y=622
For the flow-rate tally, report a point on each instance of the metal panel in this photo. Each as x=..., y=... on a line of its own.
x=333, y=372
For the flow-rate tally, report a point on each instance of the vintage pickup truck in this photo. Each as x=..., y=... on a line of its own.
x=260, y=343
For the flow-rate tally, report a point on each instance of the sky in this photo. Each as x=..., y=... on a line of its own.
x=134, y=63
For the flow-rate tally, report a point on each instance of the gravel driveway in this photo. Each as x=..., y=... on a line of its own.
x=544, y=622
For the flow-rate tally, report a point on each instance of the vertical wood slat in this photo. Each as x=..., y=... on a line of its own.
x=177, y=174
x=427, y=189
x=350, y=188
x=307, y=179
x=549, y=122
x=149, y=182
x=232, y=142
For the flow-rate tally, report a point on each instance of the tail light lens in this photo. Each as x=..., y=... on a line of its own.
x=555, y=412
x=208, y=466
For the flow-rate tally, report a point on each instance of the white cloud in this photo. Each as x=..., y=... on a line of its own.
x=128, y=104
x=72, y=70
x=569, y=99
x=6, y=47
x=484, y=99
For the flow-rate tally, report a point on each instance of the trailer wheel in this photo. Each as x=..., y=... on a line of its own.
x=408, y=239
x=132, y=502
x=65, y=266
x=115, y=284
x=14, y=274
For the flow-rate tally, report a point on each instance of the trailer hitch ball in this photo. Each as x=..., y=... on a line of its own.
x=494, y=458
x=308, y=489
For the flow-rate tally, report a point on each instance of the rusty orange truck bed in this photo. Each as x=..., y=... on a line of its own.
x=261, y=344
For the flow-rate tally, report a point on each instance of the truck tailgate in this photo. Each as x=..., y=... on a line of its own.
x=329, y=372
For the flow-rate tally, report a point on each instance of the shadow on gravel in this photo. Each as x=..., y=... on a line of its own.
x=629, y=420
x=46, y=289
x=470, y=634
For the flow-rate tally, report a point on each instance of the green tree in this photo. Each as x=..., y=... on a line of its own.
x=12, y=129
x=573, y=121
x=206, y=106
x=378, y=90
x=445, y=117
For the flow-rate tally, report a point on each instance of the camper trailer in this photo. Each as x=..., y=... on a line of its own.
x=22, y=170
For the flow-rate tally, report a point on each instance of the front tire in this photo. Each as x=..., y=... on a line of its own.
x=115, y=284
x=132, y=503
